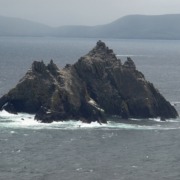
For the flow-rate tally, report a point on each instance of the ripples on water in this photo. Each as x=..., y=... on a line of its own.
x=134, y=150
x=125, y=150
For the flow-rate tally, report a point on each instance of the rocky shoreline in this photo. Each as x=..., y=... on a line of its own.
x=97, y=85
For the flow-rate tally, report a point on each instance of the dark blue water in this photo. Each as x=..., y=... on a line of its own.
x=136, y=150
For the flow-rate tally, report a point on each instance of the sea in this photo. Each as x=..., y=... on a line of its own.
x=137, y=149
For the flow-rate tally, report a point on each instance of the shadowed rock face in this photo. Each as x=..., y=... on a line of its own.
x=98, y=84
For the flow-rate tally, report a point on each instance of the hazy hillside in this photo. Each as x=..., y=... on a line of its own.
x=140, y=26
x=133, y=26
x=20, y=27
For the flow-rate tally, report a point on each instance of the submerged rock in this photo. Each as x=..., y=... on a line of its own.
x=98, y=84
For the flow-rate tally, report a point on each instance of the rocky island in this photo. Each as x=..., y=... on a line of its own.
x=97, y=85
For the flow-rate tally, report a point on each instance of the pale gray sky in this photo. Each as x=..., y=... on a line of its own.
x=84, y=12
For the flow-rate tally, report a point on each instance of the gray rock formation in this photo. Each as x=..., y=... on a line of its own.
x=98, y=84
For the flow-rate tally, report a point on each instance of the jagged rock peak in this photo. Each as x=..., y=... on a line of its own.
x=101, y=50
x=41, y=68
x=100, y=44
x=52, y=67
x=51, y=64
x=38, y=66
x=129, y=63
x=95, y=86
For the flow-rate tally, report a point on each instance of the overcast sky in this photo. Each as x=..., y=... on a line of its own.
x=84, y=12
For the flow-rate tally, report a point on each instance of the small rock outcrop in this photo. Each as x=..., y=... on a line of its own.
x=98, y=84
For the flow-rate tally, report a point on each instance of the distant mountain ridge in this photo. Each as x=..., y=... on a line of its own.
x=127, y=27
x=10, y=26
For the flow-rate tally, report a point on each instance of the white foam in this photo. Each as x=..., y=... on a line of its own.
x=16, y=120
x=27, y=121
x=4, y=114
x=160, y=121
x=156, y=119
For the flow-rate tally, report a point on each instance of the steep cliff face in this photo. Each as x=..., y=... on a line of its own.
x=98, y=84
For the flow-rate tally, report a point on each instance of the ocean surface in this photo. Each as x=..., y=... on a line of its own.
x=129, y=150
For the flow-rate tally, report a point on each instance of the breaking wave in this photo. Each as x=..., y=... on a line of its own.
x=26, y=121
